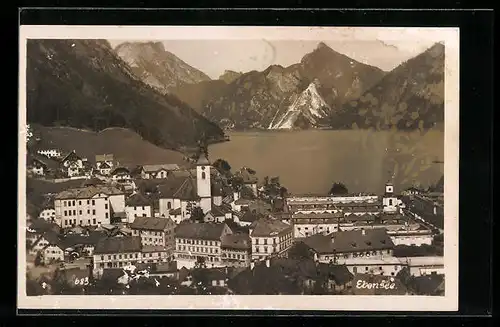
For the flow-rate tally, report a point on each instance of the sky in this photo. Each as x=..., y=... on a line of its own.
x=237, y=50
x=213, y=57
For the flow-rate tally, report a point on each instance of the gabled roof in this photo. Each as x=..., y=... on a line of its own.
x=268, y=227
x=152, y=223
x=157, y=168
x=204, y=231
x=219, y=211
x=236, y=241
x=179, y=188
x=427, y=284
x=137, y=200
x=125, y=244
x=350, y=241
x=104, y=165
x=250, y=216
x=202, y=160
x=120, y=170
x=71, y=156
x=88, y=192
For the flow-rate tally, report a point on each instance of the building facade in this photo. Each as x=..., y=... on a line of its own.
x=269, y=238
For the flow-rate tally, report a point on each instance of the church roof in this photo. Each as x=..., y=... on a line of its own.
x=202, y=160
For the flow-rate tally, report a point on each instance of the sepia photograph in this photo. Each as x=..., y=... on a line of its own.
x=238, y=167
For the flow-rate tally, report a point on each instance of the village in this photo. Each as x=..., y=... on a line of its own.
x=98, y=227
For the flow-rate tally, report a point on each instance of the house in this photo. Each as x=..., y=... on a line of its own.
x=247, y=217
x=249, y=178
x=121, y=175
x=262, y=278
x=48, y=212
x=200, y=243
x=209, y=277
x=118, y=252
x=88, y=206
x=155, y=231
x=384, y=266
x=138, y=205
x=41, y=240
x=409, y=237
x=367, y=284
x=53, y=251
x=219, y=213
x=177, y=197
x=420, y=266
x=104, y=163
x=41, y=166
x=337, y=247
x=307, y=224
x=49, y=153
x=81, y=245
x=160, y=269
x=158, y=171
x=72, y=164
x=236, y=250
x=270, y=238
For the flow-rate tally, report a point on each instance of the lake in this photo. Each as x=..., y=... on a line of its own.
x=309, y=161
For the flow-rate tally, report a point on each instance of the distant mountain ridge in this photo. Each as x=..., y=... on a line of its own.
x=255, y=99
x=84, y=84
x=155, y=66
x=229, y=76
x=410, y=96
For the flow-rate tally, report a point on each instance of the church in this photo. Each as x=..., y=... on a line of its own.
x=180, y=195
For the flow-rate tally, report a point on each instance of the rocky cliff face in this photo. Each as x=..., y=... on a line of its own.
x=308, y=109
x=84, y=84
x=258, y=99
x=229, y=76
x=155, y=66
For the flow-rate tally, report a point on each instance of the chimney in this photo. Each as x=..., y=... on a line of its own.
x=252, y=265
x=268, y=263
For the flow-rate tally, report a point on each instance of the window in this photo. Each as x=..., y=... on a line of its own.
x=106, y=206
x=65, y=213
x=107, y=215
x=88, y=221
x=88, y=211
x=74, y=212
x=390, y=202
x=80, y=203
x=93, y=212
x=64, y=203
x=203, y=175
x=114, y=256
x=93, y=221
x=102, y=257
x=144, y=215
x=120, y=256
x=88, y=201
x=80, y=212
x=73, y=202
x=93, y=202
x=169, y=205
x=366, y=268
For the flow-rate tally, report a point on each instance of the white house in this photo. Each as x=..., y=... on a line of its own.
x=270, y=238
x=50, y=153
x=121, y=175
x=158, y=171
x=72, y=164
x=137, y=205
x=104, y=163
x=88, y=206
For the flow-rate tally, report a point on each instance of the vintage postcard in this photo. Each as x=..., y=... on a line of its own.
x=292, y=168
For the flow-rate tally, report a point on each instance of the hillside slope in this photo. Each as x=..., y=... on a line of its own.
x=155, y=66
x=83, y=84
x=127, y=146
x=410, y=96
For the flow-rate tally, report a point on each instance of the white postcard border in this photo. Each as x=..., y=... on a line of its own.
x=448, y=302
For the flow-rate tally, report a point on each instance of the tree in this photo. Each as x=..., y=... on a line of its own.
x=197, y=214
x=300, y=251
x=338, y=189
x=38, y=259
x=222, y=166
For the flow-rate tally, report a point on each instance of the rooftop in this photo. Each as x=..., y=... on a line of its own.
x=156, y=168
x=236, y=241
x=204, y=231
x=119, y=245
x=350, y=241
x=137, y=200
x=152, y=223
x=104, y=157
x=268, y=227
x=88, y=192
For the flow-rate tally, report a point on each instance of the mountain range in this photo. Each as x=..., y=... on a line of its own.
x=84, y=84
x=141, y=86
